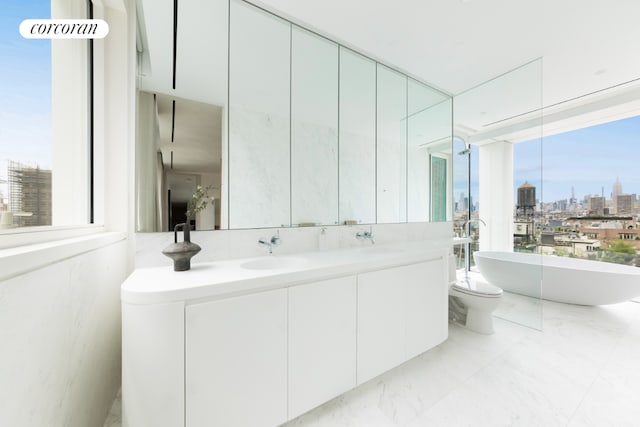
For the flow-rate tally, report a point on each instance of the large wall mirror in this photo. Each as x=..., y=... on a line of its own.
x=284, y=126
x=259, y=118
x=314, y=129
x=391, y=121
x=429, y=145
x=357, y=108
x=179, y=146
x=181, y=111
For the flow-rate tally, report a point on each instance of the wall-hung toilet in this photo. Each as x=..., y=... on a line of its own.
x=472, y=302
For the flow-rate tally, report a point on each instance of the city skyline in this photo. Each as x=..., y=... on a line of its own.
x=586, y=160
x=577, y=160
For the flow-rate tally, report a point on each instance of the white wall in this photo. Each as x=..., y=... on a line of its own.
x=227, y=244
x=60, y=333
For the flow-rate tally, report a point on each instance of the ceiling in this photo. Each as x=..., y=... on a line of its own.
x=587, y=45
x=576, y=51
x=574, y=47
x=190, y=135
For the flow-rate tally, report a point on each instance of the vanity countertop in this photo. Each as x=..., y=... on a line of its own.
x=222, y=279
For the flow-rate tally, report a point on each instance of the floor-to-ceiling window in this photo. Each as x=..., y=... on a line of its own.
x=45, y=119
x=589, y=206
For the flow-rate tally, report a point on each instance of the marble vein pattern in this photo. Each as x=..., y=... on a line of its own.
x=258, y=169
x=314, y=174
x=228, y=244
x=357, y=163
x=114, y=418
x=580, y=370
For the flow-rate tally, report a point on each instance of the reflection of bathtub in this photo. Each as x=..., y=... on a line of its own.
x=570, y=280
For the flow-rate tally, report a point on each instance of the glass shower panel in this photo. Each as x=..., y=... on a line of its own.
x=461, y=200
x=498, y=119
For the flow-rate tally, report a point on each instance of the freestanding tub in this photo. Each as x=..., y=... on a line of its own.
x=569, y=280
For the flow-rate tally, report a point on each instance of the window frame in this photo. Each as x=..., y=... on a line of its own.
x=29, y=249
x=28, y=235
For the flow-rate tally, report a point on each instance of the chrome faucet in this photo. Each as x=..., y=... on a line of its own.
x=270, y=243
x=466, y=226
x=362, y=235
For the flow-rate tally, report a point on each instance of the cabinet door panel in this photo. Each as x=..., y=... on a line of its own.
x=381, y=324
x=322, y=342
x=236, y=361
x=426, y=311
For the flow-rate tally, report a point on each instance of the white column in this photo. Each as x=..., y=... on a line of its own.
x=496, y=196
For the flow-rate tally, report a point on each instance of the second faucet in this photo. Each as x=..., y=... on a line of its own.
x=270, y=243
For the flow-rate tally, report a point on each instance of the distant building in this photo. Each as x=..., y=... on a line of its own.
x=596, y=205
x=572, y=243
x=523, y=228
x=561, y=205
x=625, y=204
x=584, y=247
x=609, y=235
x=573, y=200
x=526, y=203
x=617, y=191
x=3, y=203
x=29, y=194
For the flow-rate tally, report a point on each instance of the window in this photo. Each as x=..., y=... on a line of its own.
x=45, y=120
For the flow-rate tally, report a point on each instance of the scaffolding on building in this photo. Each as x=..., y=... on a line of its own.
x=29, y=194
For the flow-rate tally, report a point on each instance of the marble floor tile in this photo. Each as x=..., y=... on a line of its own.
x=581, y=369
x=522, y=310
x=609, y=404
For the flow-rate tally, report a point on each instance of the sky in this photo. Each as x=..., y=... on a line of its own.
x=25, y=88
x=587, y=159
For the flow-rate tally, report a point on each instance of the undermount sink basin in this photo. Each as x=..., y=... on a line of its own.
x=272, y=263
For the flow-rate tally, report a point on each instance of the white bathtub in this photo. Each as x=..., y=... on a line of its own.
x=570, y=280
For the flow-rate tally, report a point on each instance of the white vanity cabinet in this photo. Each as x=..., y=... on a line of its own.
x=322, y=342
x=236, y=361
x=224, y=345
x=427, y=306
x=402, y=312
x=381, y=323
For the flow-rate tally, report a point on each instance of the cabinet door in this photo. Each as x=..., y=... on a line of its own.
x=322, y=342
x=402, y=312
x=381, y=322
x=426, y=309
x=236, y=361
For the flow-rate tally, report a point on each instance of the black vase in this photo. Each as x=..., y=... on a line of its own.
x=182, y=252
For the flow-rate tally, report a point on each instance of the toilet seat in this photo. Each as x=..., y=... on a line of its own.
x=477, y=288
